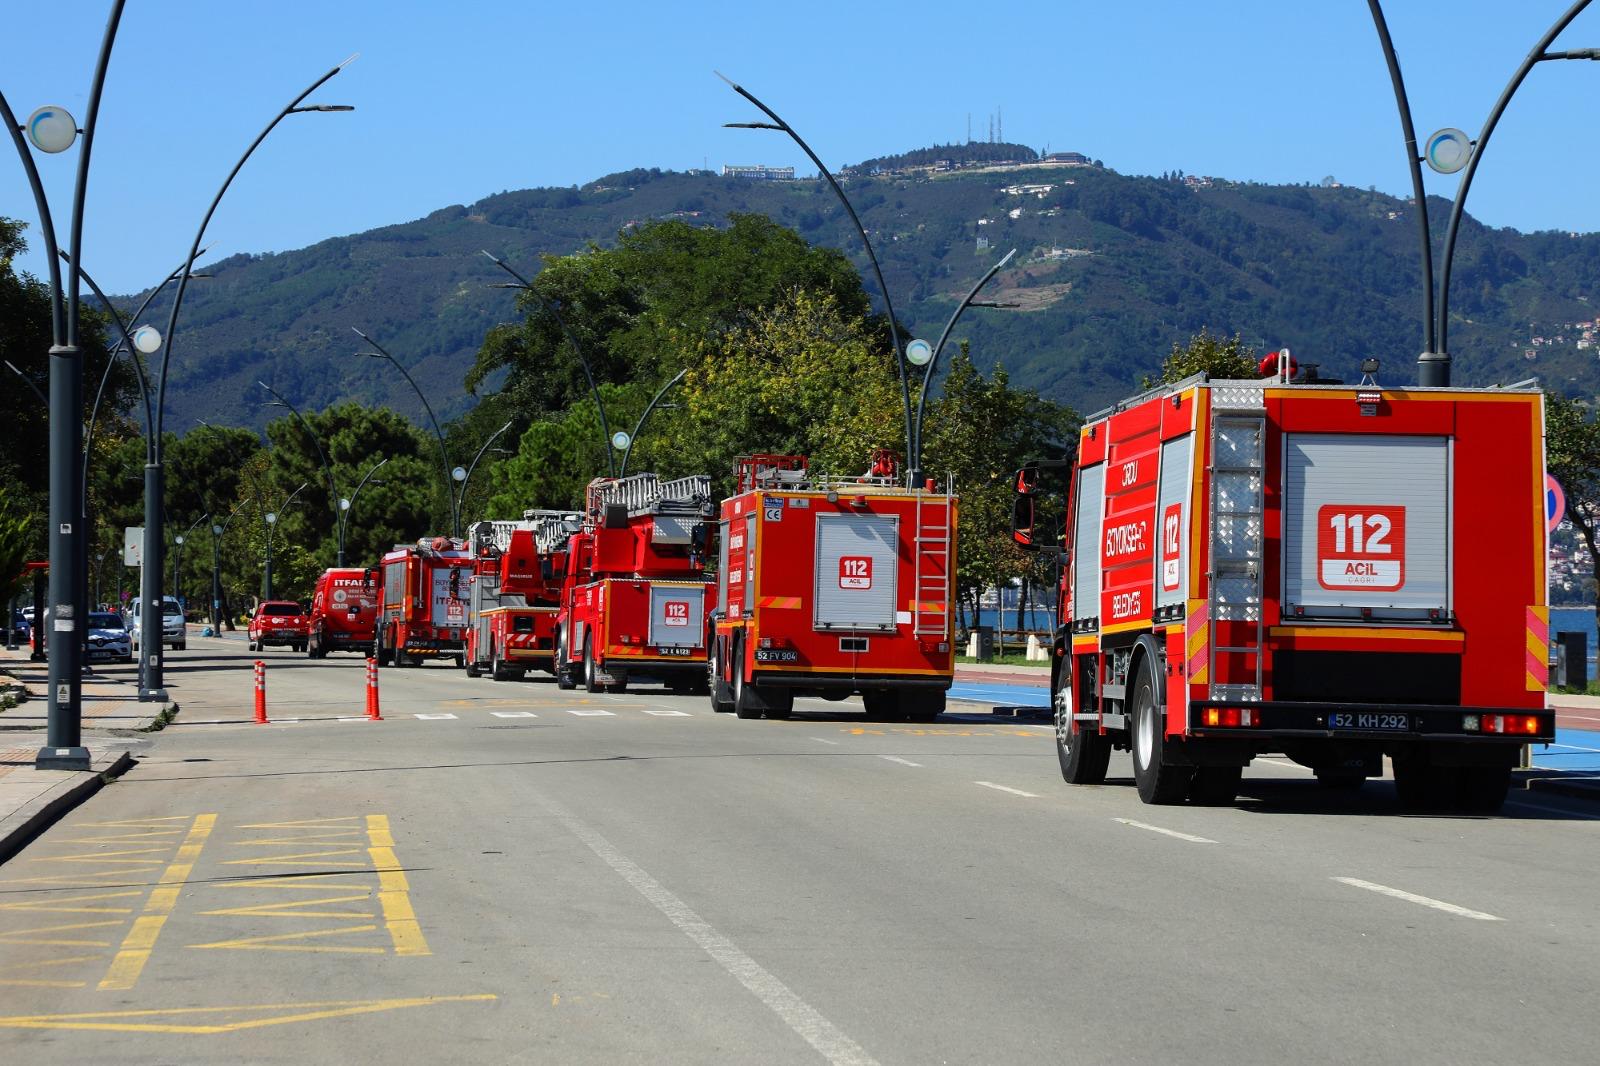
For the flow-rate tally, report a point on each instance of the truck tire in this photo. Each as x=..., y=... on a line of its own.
x=591, y=672
x=559, y=665
x=1482, y=789
x=922, y=706
x=1158, y=781
x=1083, y=753
x=743, y=704
x=881, y=705
x=1215, y=786
x=1419, y=784
x=472, y=667
x=1340, y=779
x=721, y=699
x=497, y=667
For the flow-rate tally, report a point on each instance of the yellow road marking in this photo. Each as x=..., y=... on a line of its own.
x=394, y=890
x=29, y=936
x=147, y=823
x=275, y=942
x=55, y=905
x=44, y=984
x=123, y=1021
x=300, y=859
x=293, y=908
x=130, y=959
x=305, y=822
x=315, y=883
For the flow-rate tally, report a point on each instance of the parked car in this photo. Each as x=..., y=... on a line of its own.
x=174, y=632
x=108, y=637
x=21, y=631
x=280, y=622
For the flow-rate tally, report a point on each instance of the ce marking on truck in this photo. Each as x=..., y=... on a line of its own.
x=773, y=513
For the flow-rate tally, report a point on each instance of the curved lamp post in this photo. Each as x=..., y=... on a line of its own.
x=1433, y=366
x=218, y=531
x=348, y=505
x=333, y=490
x=933, y=360
x=154, y=518
x=271, y=519
x=51, y=130
x=637, y=426
x=779, y=124
x=177, y=556
x=588, y=372
x=444, y=454
x=467, y=478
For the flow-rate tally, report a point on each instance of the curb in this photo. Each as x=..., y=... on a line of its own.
x=1578, y=788
x=22, y=828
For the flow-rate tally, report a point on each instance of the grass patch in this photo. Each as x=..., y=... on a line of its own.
x=1008, y=660
x=168, y=713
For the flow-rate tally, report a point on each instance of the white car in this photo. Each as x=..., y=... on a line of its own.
x=108, y=637
x=174, y=632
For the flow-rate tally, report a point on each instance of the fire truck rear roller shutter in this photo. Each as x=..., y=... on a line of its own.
x=1353, y=472
x=677, y=616
x=853, y=537
x=1086, y=542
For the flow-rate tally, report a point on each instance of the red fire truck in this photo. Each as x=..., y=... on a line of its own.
x=422, y=604
x=516, y=590
x=343, y=612
x=1335, y=573
x=831, y=587
x=635, y=597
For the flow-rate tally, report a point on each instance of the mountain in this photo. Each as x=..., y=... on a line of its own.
x=1110, y=271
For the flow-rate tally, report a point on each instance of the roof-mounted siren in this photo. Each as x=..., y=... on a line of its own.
x=1279, y=366
x=884, y=465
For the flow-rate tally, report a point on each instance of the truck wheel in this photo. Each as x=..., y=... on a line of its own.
x=1482, y=789
x=743, y=705
x=497, y=669
x=779, y=702
x=1083, y=753
x=922, y=706
x=1420, y=785
x=1158, y=782
x=1215, y=786
x=881, y=706
x=1341, y=780
x=591, y=673
x=721, y=699
x=559, y=665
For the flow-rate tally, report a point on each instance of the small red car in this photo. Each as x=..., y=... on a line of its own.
x=281, y=622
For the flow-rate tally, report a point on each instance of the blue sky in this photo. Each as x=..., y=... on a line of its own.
x=458, y=101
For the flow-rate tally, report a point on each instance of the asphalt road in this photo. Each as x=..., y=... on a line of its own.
x=508, y=873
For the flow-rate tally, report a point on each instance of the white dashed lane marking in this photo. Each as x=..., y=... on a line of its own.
x=898, y=759
x=1006, y=788
x=663, y=713
x=513, y=714
x=433, y=717
x=1190, y=837
x=590, y=712
x=822, y=740
x=1412, y=897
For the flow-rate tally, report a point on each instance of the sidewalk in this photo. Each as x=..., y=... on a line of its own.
x=31, y=800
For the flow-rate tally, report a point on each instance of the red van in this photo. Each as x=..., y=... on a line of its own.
x=344, y=612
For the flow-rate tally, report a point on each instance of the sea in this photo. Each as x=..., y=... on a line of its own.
x=1574, y=619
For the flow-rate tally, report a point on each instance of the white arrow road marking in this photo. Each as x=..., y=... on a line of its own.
x=1412, y=897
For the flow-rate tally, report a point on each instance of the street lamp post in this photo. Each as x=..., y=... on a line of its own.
x=271, y=519
x=153, y=533
x=467, y=478
x=348, y=505
x=333, y=491
x=588, y=372
x=177, y=560
x=51, y=130
x=1434, y=364
x=444, y=455
x=779, y=124
x=218, y=531
x=637, y=426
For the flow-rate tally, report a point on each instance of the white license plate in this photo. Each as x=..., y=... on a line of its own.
x=1382, y=721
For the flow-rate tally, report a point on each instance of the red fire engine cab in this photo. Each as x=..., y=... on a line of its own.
x=635, y=597
x=516, y=590
x=1335, y=573
x=830, y=587
x=422, y=602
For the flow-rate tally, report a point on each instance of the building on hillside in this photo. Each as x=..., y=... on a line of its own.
x=1072, y=159
x=758, y=173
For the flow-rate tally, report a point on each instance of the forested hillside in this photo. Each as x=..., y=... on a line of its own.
x=1110, y=271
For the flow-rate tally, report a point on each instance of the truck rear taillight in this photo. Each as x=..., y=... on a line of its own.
x=1521, y=725
x=1231, y=717
x=775, y=642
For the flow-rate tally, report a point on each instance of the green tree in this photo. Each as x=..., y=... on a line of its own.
x=1572, y=456
x=1220, y=357
x=629, y=306
x=16, y=536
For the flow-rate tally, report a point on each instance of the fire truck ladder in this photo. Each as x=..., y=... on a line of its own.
x=1238, y=464
x=931, y=609
x=646, y=493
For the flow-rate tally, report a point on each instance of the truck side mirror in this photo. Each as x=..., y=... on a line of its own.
x=547, y=570
x=1022, y=522
x=1027, y=481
